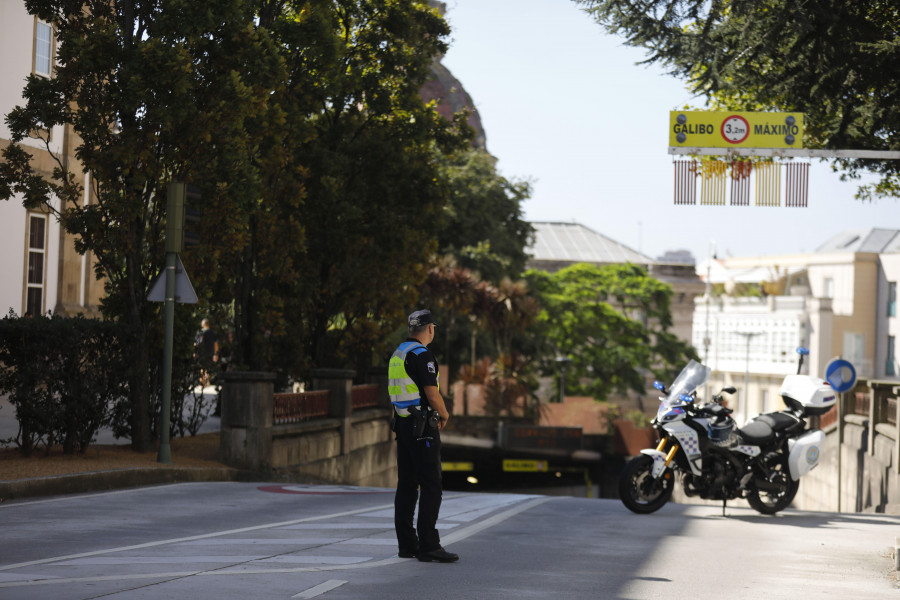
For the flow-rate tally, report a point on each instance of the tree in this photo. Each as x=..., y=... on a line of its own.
x=838, y=62
x=373, y=198
x=148, y=86
x=484, y=226
x=611, y=322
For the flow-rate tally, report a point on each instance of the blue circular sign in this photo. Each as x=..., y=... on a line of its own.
x=841, y=375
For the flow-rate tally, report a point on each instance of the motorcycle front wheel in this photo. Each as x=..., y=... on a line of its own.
x=775, y=491
x=639, y=491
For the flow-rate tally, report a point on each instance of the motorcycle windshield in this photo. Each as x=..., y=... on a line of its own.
x=691, y=377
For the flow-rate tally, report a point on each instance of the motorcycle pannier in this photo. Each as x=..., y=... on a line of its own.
x=804, y=452
x=813, y=395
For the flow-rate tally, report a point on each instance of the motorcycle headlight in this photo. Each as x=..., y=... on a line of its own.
x=671, y=414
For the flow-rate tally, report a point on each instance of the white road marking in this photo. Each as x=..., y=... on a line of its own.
x=293, y=559
x=293, y=541
x=184, y=539
x=156, y=560
x=456, y=536
x=392, y=541
x=471, y=530
x=363, y=525
x=15, y=503
x=15, y=577
x=336, y=526
x=320, y=589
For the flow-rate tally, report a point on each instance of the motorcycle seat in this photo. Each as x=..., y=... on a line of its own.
x=762, y=429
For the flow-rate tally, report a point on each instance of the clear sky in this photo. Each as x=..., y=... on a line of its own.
x=565, y=105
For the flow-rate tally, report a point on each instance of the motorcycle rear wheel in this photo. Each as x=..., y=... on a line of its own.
x=769, y=502
x=639, y=491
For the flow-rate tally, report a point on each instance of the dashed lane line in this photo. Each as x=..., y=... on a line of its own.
x=320, y=589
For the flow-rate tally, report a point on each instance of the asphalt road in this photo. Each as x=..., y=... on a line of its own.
x=205, y=541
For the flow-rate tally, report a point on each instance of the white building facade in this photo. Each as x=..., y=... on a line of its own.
x=839, y=302
x=888, y=329
x=40, y=268
x=753, y=343
x=29, y=239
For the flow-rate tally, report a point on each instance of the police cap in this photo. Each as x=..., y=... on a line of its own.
x=421, y=317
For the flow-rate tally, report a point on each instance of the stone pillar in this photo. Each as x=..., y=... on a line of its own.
x=247, y=419
x=339, y=383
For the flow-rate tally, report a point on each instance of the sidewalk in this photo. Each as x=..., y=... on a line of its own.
x=108, y=463
x=9, y=426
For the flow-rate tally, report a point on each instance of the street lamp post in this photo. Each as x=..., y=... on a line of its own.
x=745, y=392
x=563, y=363
x=706, y=340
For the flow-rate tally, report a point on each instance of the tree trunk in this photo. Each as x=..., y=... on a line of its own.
x=139, y=384
x=141, y=439
x=243, y=309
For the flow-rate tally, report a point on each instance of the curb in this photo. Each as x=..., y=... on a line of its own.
x=113, y=479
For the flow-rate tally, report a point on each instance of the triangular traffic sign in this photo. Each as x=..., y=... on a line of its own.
x=184, y=291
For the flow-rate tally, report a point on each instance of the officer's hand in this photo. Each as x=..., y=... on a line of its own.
x=443, y=422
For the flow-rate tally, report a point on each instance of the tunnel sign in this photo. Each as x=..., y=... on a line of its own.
x=719, y=129
x=533, y=466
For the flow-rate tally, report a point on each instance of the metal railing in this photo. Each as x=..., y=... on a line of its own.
x=364, y=396
x=295, y=408
x=878, y=409
x=305, y=406
x=876, y=401
x=825, y=421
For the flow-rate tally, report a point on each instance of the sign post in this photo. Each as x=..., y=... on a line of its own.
x=165, y=290
x=842, y=377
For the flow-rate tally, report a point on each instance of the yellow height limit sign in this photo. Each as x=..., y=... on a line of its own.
x=533, y=466
x=712, y=129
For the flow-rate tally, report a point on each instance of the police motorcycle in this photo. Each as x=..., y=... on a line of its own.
x=762, y=461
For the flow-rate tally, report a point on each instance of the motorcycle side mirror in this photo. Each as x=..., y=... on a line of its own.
x=729, y=390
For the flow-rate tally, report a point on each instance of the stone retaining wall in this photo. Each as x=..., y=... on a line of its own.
x=869, y=481
x=345, y=448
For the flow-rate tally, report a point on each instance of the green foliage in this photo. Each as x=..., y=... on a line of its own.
x=477, y=318
x=325, y=194
x=372, y=202
x=484, y=226
x=155, y=90
x=838, y=62
x=189, y=408
x=611, y=322
x=509, y=384
x=62, y=376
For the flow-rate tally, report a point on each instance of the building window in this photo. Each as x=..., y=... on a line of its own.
x=892, y=299
x=829, y=287
x=854, y=348
x=43, y=48
x=889, y=367
x=37, y=252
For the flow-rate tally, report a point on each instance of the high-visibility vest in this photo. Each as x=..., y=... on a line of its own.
x=401, y=388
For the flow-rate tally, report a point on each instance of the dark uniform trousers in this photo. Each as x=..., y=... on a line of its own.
x=418, y=468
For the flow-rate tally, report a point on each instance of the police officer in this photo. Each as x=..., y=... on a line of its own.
x=413, y=387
